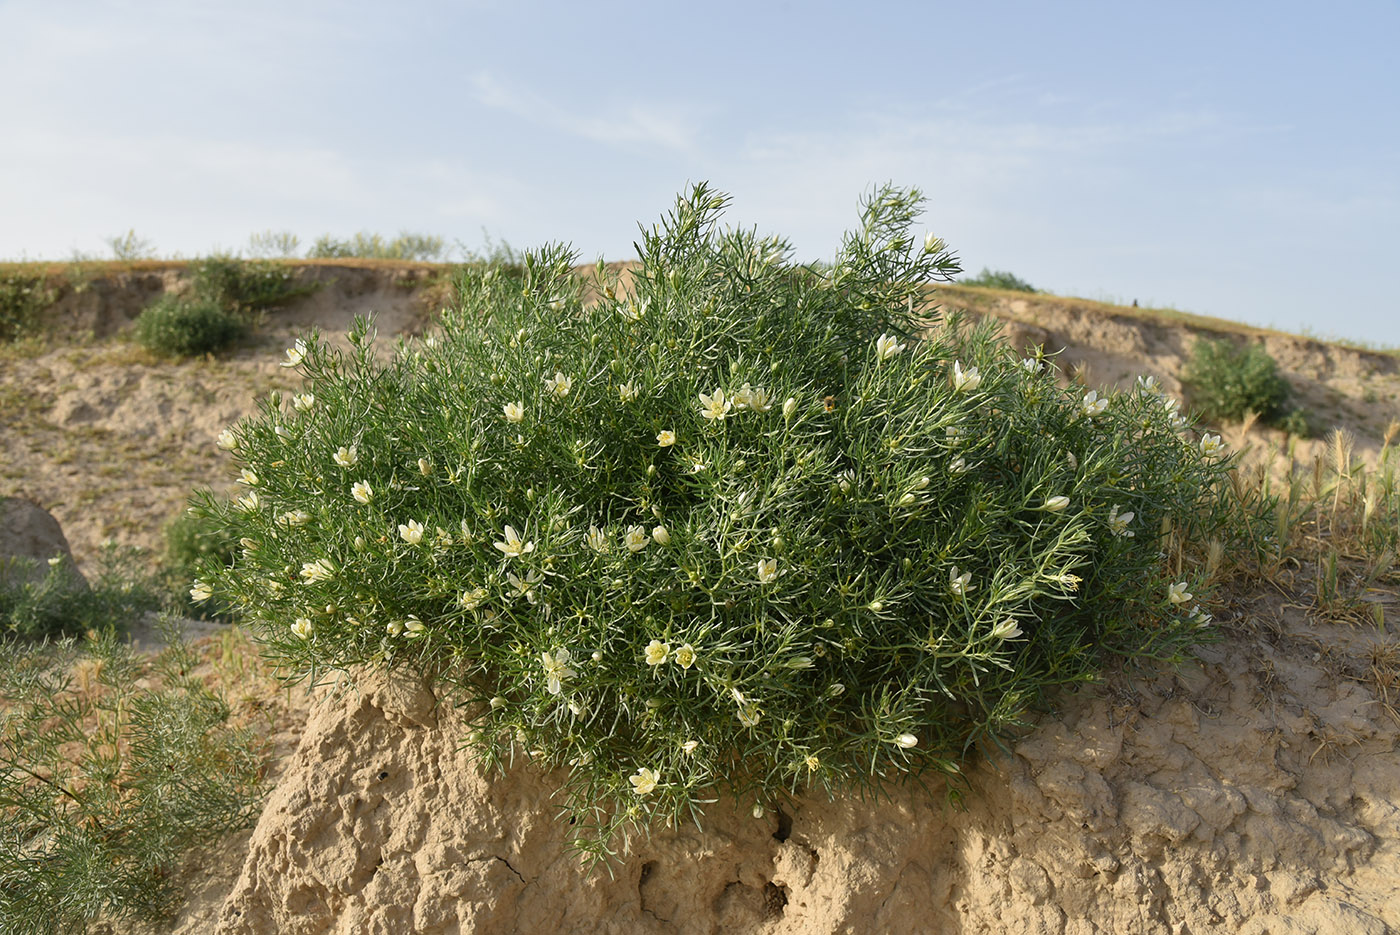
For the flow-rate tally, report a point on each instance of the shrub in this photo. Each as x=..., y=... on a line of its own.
x=406, y=246
x=128, y=246
x=60, y=604
x=176, y=326
x=734, y=527
x=111, y=767
x=23, y=295
x=1228, y=381
x=270, y=243
x=190, y=539
x=998, y=279
x=245, y=285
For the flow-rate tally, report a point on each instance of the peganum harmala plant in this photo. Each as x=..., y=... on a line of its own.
x=729, y=523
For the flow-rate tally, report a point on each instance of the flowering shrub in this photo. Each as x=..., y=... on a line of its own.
x=734, y=524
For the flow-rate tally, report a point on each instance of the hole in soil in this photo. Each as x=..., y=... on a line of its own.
x=784, y=826
x=647, y=869
x=383, y=775
x=775, y=899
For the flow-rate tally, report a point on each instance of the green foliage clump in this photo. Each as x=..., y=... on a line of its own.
x=60, y=604
x=190, y=540
x=1228, y=381
x=242, y=286
x=270, y=243
x=112, y=766
x=406, y=246
x=23, y=295
x=998, y=279
x=129, y=246
x=733, y=525
x=179, y=326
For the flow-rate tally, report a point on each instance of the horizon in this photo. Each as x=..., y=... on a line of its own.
x=1184, y=158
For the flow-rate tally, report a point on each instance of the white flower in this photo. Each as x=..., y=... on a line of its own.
x=415, y=627
x=295, y=354
x=556, y=669
x=394, y=627
x=1118, y=523
x=754, y=399
x=960, y=582
x=1148, y=384
x=789, y=407
x=1177, y=593
x=248, y=502
x=661, y=536
x=767, y=570
x=812, y=763
x=201, y=591
x=657, y=652
x=1200, y=618
x=1177, y=420
x=636, y=539
x=643, y=781
x=302, y=626
x=411, y=532
x=715, y=406
x=1006, y=630
x=1212, y=446
x=836, y=690
x=294, y=518
x=319, y=570
x=514, y=546
x=697, y=464
x=845, y=479
x=425, y=467
x=749, y=715
x=514, y=412
x=627, y=392
x=227, y=440
x=597, y=541
x=907, y=741
x=281, y=431
x=525, y=587
x=303, y=401
x=666, y=438
x=1032, y=364
x=931, y=242
x=968, y=379
x=909, y=499
x=1055, y=504
x=685, y=656
x=690, y=746
x=559, y=384
x=362, y=491
x=1092, y=405
x=471, y=600
x=1072, y=461
x=346, y=457
x=958, y=465
x=887, y=347
x=246, y=476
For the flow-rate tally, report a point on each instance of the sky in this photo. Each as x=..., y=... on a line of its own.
x=1239, y=160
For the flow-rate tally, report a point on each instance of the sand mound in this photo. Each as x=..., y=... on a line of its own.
x=1255, y=792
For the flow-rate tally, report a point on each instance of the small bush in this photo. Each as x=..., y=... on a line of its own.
x=112, y=766
x=242, y=286
x=23, y=295
x=190, y=540
x=732, y=526
x=998, y=279
x=406, y=246
x=128, y=246
x=60, y=604
x=273, y=244
x=175, y=326
x=1228, y=381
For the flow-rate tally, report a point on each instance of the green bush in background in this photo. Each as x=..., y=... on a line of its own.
x=61, y=604
x=998, y=279
x=406, y=246
x=1227, y=381
x=23, y=295
x=242, y=286
x=738, y=524
x=191, y=539
x=177, y=326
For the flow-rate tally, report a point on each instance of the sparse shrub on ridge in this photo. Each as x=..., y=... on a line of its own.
x=243, y=286
x=998, y=279
x=176, y=326
x=735, y=526
x=1228, y=381
x=406, y=246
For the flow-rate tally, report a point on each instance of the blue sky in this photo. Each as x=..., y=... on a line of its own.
x=1238, y=160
